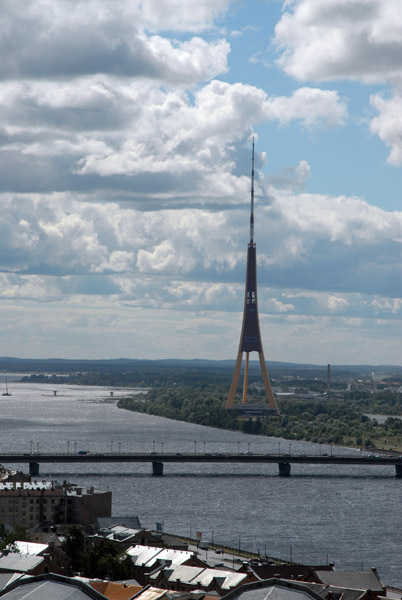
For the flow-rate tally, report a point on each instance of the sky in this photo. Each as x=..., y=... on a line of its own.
x=125, y=159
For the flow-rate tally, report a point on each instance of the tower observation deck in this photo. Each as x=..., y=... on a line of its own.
x=250, y=337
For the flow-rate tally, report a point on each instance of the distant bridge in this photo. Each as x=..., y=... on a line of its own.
x=157, y=459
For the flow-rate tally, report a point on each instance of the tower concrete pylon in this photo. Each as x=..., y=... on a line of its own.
x=250, y=337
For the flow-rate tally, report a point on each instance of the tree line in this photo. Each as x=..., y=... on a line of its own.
x=341, y=422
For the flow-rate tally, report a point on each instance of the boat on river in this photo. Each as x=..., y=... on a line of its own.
x=6, y=393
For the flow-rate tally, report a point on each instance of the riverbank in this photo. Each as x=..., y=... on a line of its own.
x=330, y=421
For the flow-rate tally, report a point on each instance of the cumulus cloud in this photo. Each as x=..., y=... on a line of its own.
x=387, y=305
x=310, y=105
x=339, y=244
x=69, y=39
x=125, y=179
x=387, y=125
x=102, y=133
x=91, y=102
x=336, y=302
x=281, y=307
x=310, y=241
x=341, y=39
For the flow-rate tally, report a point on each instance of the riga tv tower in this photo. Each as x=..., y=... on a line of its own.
x=250, y=337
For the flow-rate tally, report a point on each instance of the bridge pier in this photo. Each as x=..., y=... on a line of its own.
x=398, y=470
x=157, y=468
x=34, y=469
x=284, y=469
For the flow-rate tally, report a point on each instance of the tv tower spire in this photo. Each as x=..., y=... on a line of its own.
x=250, y=337
x=252, y=199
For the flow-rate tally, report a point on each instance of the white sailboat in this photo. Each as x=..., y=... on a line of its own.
x=6, y=393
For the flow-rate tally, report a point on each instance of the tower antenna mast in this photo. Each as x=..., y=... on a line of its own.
x=252, y=199
x=250, y=337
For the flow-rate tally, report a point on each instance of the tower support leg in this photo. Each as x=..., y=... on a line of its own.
x=245, y=383
x=398, y=470
x=33, y=469
x=267, y=384
x=157, y=468
x=284, y=469
x=235, y=380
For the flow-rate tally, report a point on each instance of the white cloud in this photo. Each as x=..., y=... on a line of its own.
x=311, y=242
x=181, y=15
x=335, y=303
x=163, y=258
x=341, y=39
x=281, y=307
x=387, y=305
x=387, y=125
x=41, y=38
x=311, y=105
x=124, y=179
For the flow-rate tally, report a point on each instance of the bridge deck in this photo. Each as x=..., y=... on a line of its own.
x=356, y=459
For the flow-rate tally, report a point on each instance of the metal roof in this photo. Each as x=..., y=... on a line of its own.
x=356, y=580
x=225, y=579
x=48, y=590
x=141, y=555
x=147, y=556
x=8, y=578
x=202, y=577
x=174, y=557
x=273, y=593
x=151, y=593
x=31, y=548
x=118, y=533
x=184, y=573
x=19, y=562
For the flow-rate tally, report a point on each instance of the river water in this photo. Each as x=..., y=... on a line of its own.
x=348, y=515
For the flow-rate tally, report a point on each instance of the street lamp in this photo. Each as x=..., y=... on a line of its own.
x=195, y=447
x=119, y=447
x=279, y=445
x=75, y=447
x=68, y=446
x=162, y=447
x=204, y=447
x=290, y=449
x=238, y=447
x=111, y=447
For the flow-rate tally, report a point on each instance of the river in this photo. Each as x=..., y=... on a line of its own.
x=348, y=515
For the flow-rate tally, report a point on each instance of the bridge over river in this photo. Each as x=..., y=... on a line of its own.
x=158, y=459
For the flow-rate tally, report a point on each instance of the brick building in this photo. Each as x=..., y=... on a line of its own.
x=30, y=503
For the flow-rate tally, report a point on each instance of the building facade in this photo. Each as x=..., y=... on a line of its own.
x=30, y=503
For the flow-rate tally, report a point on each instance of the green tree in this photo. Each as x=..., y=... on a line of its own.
x=94, y=559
